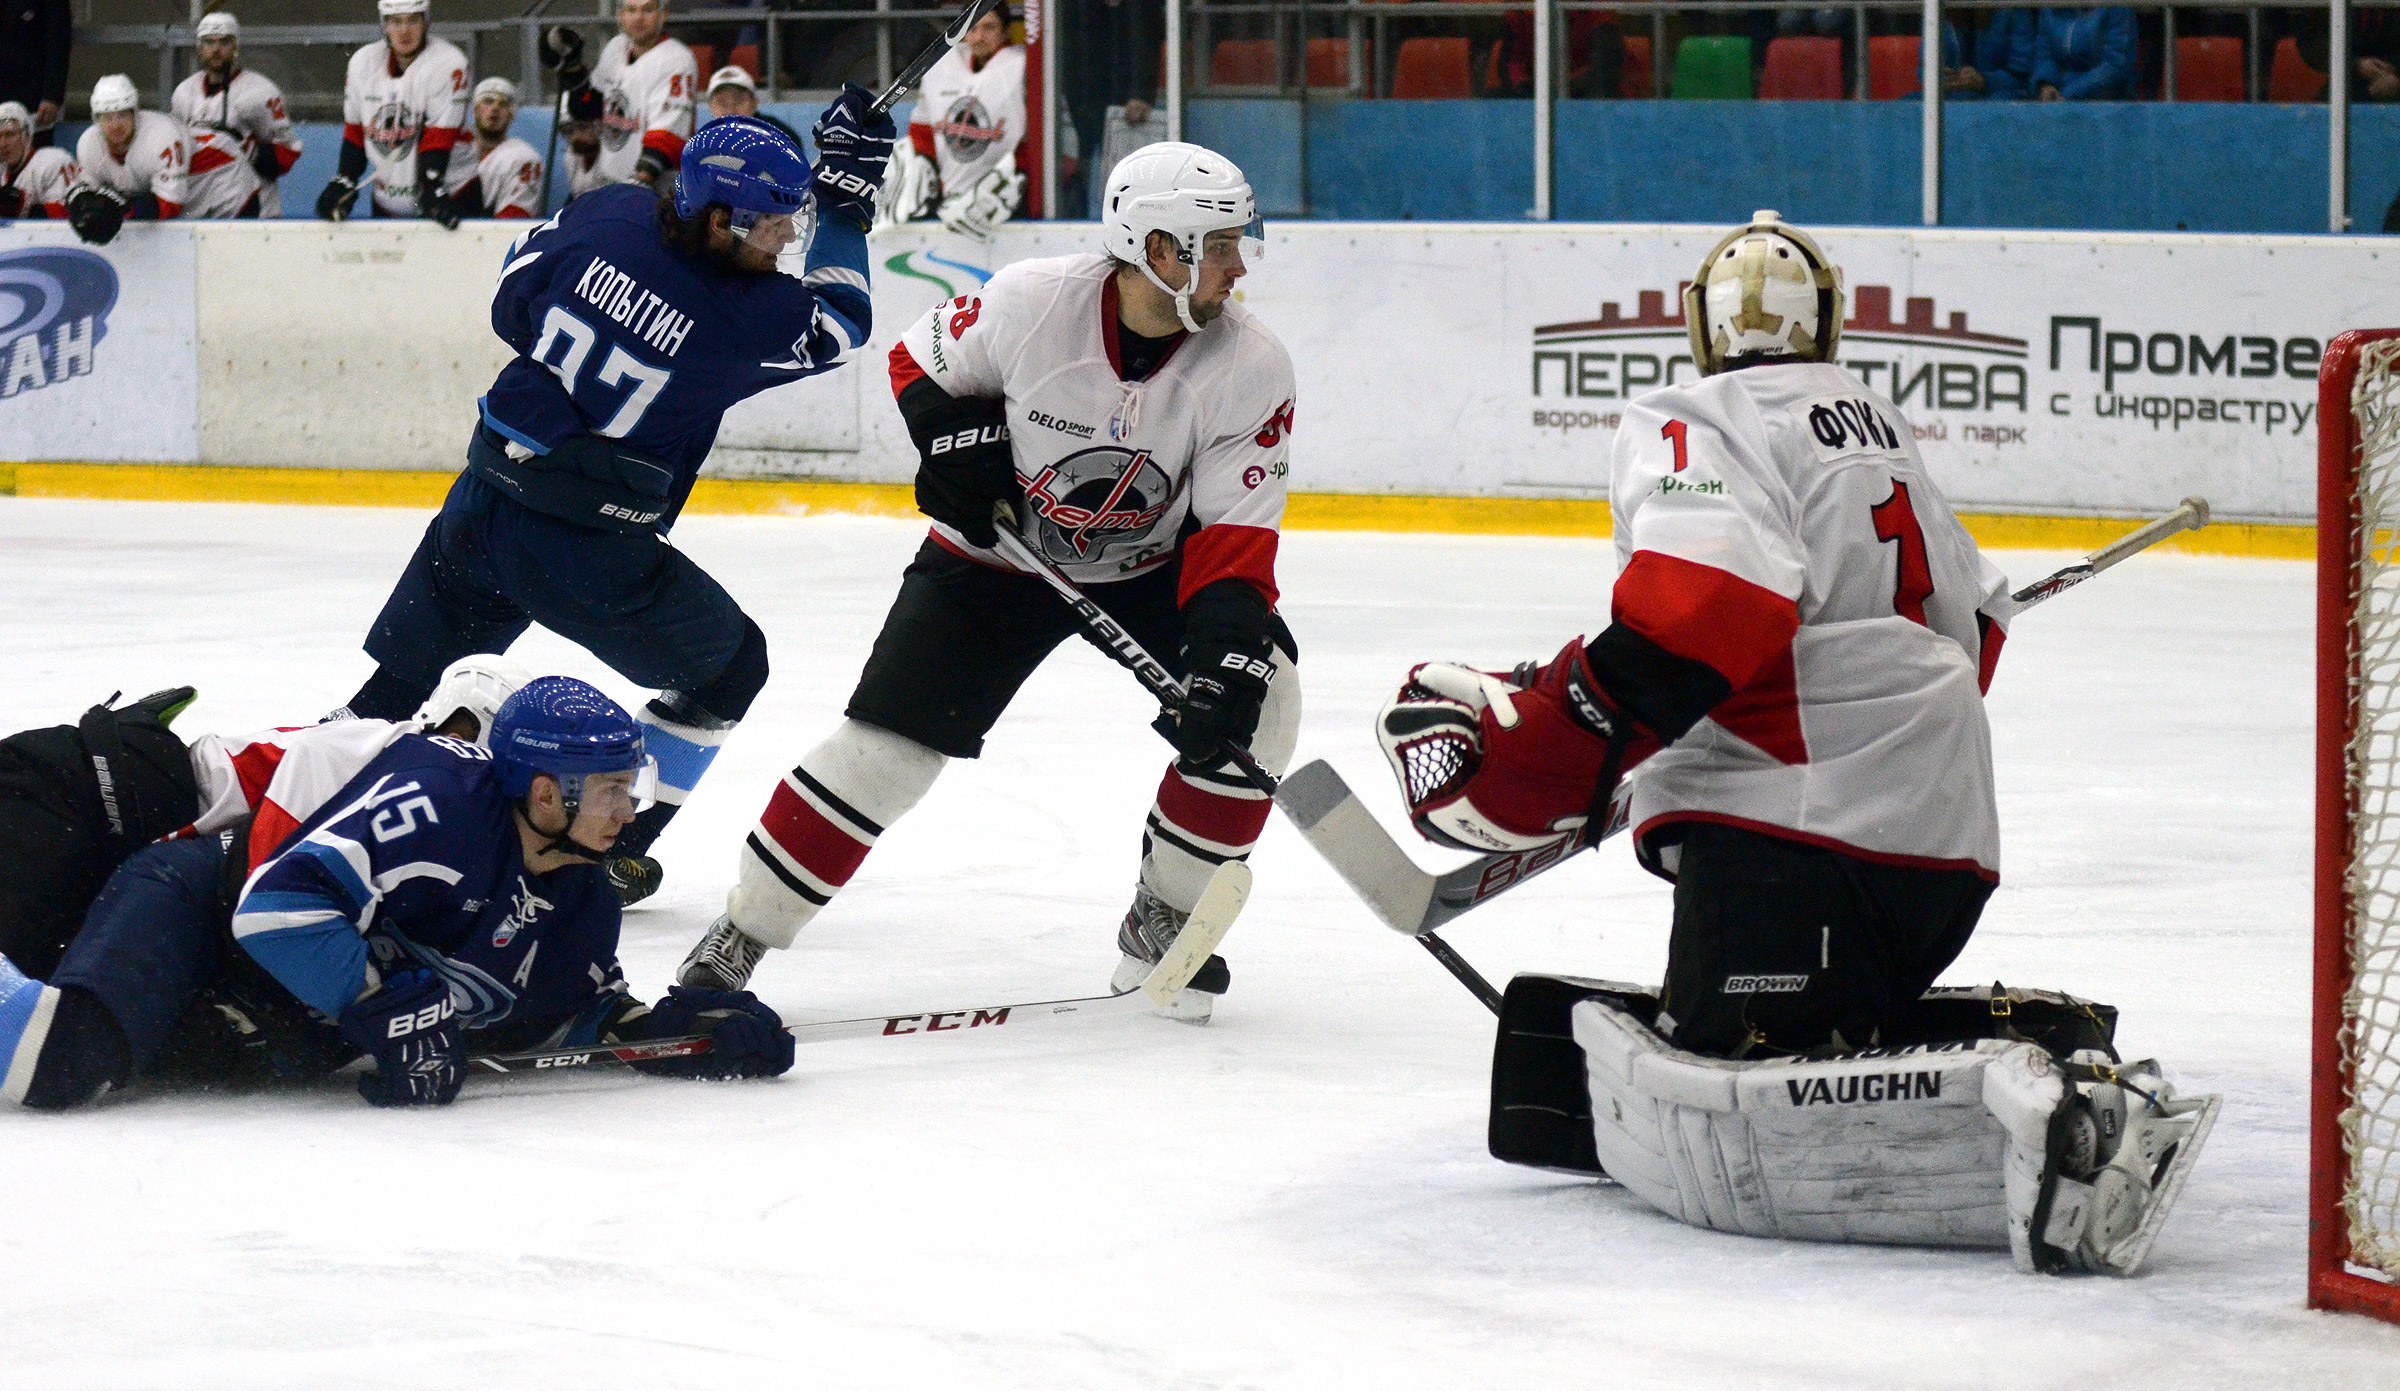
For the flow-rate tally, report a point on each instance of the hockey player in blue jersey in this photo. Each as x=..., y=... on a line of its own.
x=444, y=896
x=638, y=319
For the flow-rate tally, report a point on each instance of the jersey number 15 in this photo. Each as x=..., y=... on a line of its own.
x=620, y=366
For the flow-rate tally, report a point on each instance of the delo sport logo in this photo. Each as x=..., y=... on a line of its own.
x=54, y=306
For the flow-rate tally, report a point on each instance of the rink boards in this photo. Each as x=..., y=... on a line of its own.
x=1468, y=370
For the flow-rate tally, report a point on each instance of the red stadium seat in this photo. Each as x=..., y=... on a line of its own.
x=2209, y=69
x=704, y=58
x=2292, y=79
x=1328, y=62
x=745, y=57
x=1243, y=63
x=1636, y=82
x=1802, y=69
x=1432, y=70
x=1895, y=67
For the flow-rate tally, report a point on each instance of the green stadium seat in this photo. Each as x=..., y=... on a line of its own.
x=1711, y=67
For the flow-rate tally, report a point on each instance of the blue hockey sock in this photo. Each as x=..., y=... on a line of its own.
x=26, y=1009
x=683, y=751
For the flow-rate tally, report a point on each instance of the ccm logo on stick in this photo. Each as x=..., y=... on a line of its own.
x=935, y=1023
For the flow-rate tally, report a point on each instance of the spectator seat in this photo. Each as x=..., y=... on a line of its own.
x=1802, y=69
x=1711, y=67
x=1635, y=82
x=2209, y=69
x=1895, y=67
x=1243, y=63
x=1432, y=70
x=1329, y=62
x=2291, y=79
x=745, y=57
x=704, y=58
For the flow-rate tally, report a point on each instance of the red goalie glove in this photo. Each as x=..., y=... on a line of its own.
x=1514, y=762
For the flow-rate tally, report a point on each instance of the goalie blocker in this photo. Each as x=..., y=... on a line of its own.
x=2007, y=1121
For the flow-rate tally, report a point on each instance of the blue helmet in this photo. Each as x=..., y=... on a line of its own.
x=746, y=164
x=562, y=727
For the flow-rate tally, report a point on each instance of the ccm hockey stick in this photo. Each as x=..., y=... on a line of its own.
x=1411, y=900
x=1220, y=903
x=923, y=63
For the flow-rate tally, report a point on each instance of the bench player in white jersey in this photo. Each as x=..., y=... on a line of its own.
x=1139, y=424
x=404, y=105
x=130, y=164
x=648, y=85
x=960, y=162
x=226, y=97
x=33, y=183
x=1800, y=635
x=500, y=175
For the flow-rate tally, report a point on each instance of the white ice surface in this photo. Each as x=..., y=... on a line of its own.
x=1295, y=1195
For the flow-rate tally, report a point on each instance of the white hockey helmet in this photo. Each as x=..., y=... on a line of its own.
x=13, y=113
x=218, y=26
x=114, y=93
x=388, y=8
x=476, y=684
x=1767, y=290
x=1187, y=192
x=499, y=87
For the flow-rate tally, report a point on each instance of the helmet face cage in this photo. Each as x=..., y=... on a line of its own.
x=1715, y=345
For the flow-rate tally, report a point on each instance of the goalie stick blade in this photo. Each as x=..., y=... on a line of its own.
x=1339, y=826
x=1212, y=917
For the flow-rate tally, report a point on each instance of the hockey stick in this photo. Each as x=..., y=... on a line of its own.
x=1220, y=903
x=1118, y=643
x=923, y=63
x=1412, y=901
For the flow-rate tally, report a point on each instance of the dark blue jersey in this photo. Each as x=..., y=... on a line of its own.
x=416, y=863
x=620, y=336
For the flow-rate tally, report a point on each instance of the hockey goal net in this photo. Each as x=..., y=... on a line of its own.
x=2354, y=1186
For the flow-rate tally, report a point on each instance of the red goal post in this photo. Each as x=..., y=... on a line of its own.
x=2354, y=1125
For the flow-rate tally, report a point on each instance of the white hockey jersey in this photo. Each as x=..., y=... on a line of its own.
x=220, y=181
x=645, y=101
x=974, y=119
x=1111, y=468
x=509, y=177
x=1752, y=498
x=157, y=161
x=250, y=109
x=45, y=178
x=281, y=775
x=582, y=178
x=395, y=114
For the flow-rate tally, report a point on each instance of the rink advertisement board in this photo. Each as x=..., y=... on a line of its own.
x=96, y=357
x=2043, y=372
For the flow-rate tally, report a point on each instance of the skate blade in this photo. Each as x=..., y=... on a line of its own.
x=2198, y=1115
x=1189, y=1005
x=1212, y=917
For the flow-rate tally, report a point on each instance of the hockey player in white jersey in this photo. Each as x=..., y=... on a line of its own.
x=228, y=98
x=500, y=176
x=1137, y=423
x=33, y=183
x=648, y=85
x=1801, y=633
x=960, y=161
x=404, y=106
x=130, y=164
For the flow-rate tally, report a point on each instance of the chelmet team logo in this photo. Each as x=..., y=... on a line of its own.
x=1101, y=504
x=54, y=306
x=969, y=128
x=394, y=127
x=617, y=124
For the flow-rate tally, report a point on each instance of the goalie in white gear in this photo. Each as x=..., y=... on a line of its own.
x=960, y=162
x=1139, y=438
x=1801, y=632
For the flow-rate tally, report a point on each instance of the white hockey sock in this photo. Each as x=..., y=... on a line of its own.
x=818, y=827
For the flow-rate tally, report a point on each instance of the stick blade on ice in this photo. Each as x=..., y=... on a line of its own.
x=1212, y=917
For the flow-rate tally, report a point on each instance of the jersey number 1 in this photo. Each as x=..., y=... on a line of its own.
x=1896, y=520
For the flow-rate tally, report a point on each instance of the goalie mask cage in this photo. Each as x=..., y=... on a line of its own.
x=2354, y=1128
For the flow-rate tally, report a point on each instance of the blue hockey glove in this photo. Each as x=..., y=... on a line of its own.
x=411, y=1029
x=749, y=1036
x=853, y=150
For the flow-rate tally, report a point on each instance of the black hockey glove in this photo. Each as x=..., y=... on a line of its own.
x=433, y=170
x=854, y=149
x=339, y=197
x=650, y=166
x=96, y=211
x=562, y=53
x=12, y=201
x=411, y=1029
x=263, y=160
x=1229, y=651
x=965, y=465
x=748, y=1037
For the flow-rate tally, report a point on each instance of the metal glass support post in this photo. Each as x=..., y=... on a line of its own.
x=2166, y=64
x=774, y=72
x=529, y=59
x=883, y=45
x=2337, y=113
x=1930, y=45
x=1174, y=72
x=1545, y=78
x=1048, y=12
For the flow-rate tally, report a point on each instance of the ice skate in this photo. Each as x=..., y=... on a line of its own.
x=1150, y=927
x=2130, y=1145
x=722, y=959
